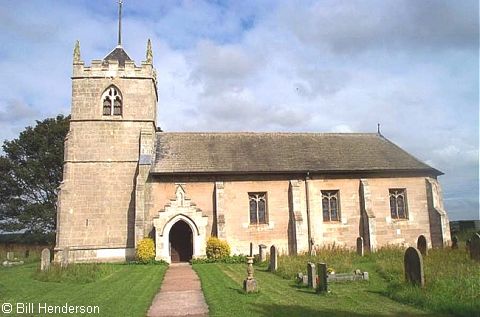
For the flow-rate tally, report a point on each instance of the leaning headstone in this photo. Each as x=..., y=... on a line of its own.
x=10, y=256
x=413, y=264
x=65, y=256
x=45, y=261
x=422, y=245
x=475, y=247
x=273, y=259
x=322, y=277
x=312, y=275
x=262, y=252
x=454, y=242
x=360, y=246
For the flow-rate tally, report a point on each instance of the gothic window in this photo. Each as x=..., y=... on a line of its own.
x=258, y=208
x=330, y=205
x=112, y=102
x=398, y=203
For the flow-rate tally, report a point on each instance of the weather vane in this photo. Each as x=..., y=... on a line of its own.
x=120, y=2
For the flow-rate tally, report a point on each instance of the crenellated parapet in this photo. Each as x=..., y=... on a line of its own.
x=113, y=68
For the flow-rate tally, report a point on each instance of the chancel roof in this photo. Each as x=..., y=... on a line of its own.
x=234, y=153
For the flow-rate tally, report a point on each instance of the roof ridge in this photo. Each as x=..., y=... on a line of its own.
x=269, y=133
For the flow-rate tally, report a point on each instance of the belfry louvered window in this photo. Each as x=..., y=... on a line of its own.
x=258, y=208
x=112, y=102
x=330, y=205
x=398, y=203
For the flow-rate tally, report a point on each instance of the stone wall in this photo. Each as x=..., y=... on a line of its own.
x=103, y=156
x=97, y=205
x=287, y=216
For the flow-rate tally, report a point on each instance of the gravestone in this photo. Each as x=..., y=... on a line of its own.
x=10, y=256
x=27, y=253
x=250, y=284
x=262, y=252
x=322, y=277
x=273, y=259
x=312, y=275
x=413, y=265
x=305, y=280
x=65, y=256
x=422, y=245
x=454, y=242
x=299, y=277
x=360, y=246
x=475, y=247
x=45, y=261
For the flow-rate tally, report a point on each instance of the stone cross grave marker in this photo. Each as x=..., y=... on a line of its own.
x=250, y=284
x=45, y=262
x=422, y=245
x=360, y=246
x=322, y=277
x=273, y=259
x=413, y=265
x=10, y=256
x=262, y=252
x=454, y=242
x=475, y=247
x=312, y=275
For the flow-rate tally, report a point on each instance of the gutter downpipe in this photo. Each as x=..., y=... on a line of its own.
x=309, y=230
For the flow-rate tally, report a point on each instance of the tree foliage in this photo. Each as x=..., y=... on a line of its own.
x=30, y=173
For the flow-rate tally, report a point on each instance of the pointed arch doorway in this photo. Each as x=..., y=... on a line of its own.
x=181, y=242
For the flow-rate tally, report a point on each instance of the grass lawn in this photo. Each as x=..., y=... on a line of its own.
x=222, y=286
x=118, y=289
x=452, y=278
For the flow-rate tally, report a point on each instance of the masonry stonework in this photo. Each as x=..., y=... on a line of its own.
x=124, y=180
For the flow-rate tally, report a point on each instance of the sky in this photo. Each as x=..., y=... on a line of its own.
x=299, y=66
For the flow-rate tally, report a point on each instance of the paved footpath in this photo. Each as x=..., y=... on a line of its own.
x=180, y=295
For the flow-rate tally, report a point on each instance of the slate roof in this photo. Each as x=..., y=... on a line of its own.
x=232, y=153
x=118, y=54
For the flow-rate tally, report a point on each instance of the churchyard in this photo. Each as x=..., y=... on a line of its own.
x=451, y=285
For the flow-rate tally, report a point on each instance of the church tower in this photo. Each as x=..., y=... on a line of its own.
x=111, y=136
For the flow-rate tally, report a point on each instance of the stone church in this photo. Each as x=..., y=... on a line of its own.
x=124, y=179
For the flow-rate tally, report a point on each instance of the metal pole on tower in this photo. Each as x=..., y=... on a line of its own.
x=120, y=2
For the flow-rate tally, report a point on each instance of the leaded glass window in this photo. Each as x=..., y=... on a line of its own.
x=258, y=208
x=398, y=203
x=330, y=205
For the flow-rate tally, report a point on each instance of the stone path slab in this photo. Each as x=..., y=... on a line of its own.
x=181, y=294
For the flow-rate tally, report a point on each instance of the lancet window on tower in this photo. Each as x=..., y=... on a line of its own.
x=112, y=102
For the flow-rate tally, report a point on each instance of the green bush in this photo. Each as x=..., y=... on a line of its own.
x=217, y=249
x=145, y=252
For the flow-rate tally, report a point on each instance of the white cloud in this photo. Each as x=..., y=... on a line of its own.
x=265, y=66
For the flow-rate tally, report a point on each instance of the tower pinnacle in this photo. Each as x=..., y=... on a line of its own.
x=76, y=52
x=149, y=54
